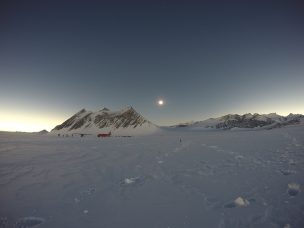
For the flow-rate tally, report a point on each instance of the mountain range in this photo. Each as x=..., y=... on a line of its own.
x=128, y=122
x=267, y=121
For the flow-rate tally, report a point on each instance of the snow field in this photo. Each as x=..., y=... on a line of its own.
x=209, y=179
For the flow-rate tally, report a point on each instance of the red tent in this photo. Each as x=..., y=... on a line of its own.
x=103, y=135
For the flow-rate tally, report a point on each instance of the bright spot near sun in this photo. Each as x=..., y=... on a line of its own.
x=160, y=102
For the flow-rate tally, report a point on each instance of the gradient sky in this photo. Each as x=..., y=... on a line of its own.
x=204, y=58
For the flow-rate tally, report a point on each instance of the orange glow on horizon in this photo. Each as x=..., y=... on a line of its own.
x=26, y=122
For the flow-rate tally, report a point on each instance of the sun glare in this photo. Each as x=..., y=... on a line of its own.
x=160, y=102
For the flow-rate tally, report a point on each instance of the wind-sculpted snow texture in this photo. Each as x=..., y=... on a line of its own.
x=194, y=179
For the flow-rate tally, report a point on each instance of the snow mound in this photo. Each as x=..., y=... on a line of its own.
x=241, y=202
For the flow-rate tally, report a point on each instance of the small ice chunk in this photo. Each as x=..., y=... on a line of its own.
x=240, y=202
x=293, y=189
x=130, y=180
x=85, y=211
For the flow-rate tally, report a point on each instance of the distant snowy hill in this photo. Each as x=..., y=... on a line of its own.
x=248, y=120
x=43, y=132
x=123, y=122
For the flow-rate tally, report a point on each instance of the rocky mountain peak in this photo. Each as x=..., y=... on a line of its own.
x=87, y=121
x=105, y=109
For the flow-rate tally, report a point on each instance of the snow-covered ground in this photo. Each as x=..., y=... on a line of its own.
x=209, y=179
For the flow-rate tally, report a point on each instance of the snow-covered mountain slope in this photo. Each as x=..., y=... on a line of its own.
x=123, y=122
x=248, y=120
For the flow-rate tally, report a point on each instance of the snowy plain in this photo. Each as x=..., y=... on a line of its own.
x=210, y=179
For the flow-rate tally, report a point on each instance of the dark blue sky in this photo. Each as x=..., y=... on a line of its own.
x=204, y=58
